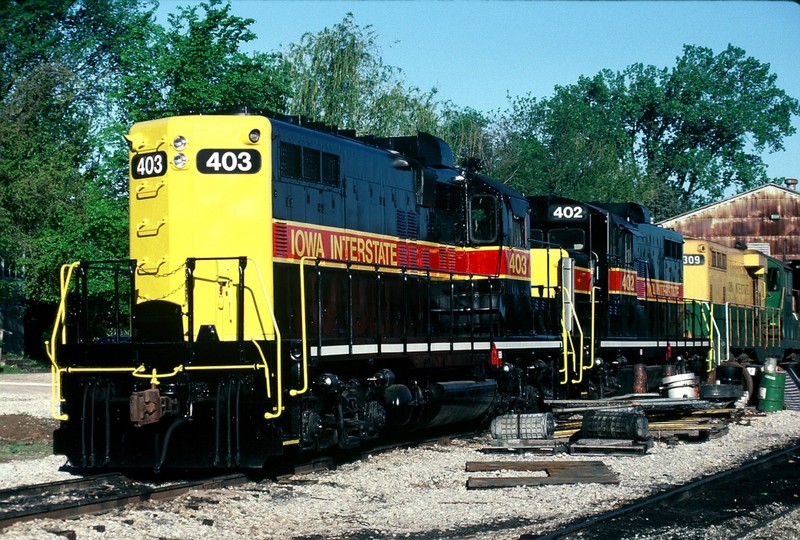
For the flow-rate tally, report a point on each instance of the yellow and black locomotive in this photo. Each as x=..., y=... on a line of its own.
x=293, y=288
x=626, y=289
x=290, y=288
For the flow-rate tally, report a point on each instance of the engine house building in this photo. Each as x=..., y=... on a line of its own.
x=766, y=219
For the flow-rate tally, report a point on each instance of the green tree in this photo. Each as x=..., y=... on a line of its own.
x=54, y=78
x=51, y=81
x=68, y=95
x=672, y=139
x=704, y=124
x=339, y=78
x=466, y=130
x=568, y=145
x=200, y=67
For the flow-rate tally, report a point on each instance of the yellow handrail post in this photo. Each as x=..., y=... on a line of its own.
x=579, y=367
x=278, y=352
x=51, y=346
x=565, y=342
x=303, y=328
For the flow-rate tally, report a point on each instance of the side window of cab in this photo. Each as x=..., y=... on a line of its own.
x=483, y=219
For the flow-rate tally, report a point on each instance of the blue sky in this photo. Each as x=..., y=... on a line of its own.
x=477, y=53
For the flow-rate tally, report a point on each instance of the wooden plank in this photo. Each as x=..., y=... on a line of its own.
x=568, y=472
x=558, y=472
x=688, y=424
x=547, y=447
x=486, y=483
x=478, y=466
x=606, y=450
x=609, y=446
x=482, y=466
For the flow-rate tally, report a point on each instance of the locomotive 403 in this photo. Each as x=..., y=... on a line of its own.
x=290, y=289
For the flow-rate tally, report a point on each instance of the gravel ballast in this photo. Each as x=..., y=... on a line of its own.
x=419, y=493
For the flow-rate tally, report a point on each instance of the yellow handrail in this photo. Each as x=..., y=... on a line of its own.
x=133, y=370
x=65, y=277
x=568, y=345
x=304, y=331
x=711, y=324
x=50, y=346
x=266, y=367
x=578, y=367
x=279, y=370
x=55, y=395
x=566, y=341
x=154, y=375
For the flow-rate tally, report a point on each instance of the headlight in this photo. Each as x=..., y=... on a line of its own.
x=254, y=136
x=179, y=160
x=179, y=142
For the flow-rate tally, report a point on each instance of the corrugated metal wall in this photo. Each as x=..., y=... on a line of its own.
x=766, y=215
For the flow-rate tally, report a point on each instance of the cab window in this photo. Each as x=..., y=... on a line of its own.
x=573, y=239
x=517, y=233
x=483, y=210
x=537, y=238
x=773, y=279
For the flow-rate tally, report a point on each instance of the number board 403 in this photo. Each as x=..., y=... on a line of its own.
x=228, y=161
x=567, y=212
x=148, y=165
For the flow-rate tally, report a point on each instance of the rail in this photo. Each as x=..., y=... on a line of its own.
x=71, y=498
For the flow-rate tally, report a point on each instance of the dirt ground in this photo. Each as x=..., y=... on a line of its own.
x=23, y=427
x=25, y=437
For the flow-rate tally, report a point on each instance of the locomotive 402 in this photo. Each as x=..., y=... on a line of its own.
x=293, y=289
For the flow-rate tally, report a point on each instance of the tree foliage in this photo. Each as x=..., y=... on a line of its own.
x=670, y=138
x=74, y=74
x=52, y=76
x=339, y=78
x=200, y=67
x=467, y=132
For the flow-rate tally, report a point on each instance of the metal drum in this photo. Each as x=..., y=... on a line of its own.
x=680, y=386
x=523, y=426
x=770, y=392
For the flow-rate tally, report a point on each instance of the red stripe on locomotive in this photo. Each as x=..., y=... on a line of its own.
x=293, y=241
x=622, y=281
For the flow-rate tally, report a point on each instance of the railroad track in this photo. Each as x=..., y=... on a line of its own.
x=102, y=492
x=737, y=502
x=91, y=494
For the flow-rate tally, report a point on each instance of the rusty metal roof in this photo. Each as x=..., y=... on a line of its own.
x=768, y=215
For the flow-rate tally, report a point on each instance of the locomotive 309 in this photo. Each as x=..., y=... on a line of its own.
x=291, y=288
